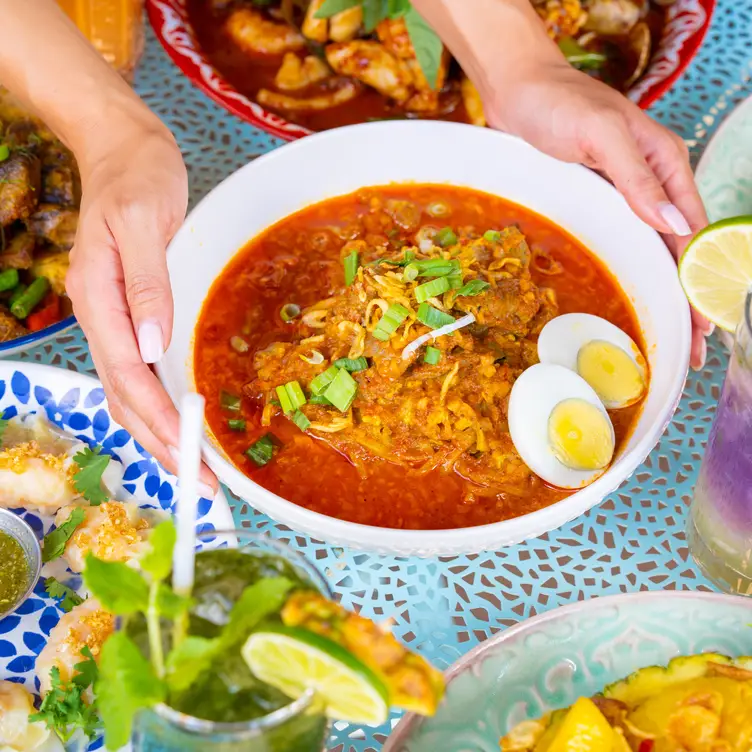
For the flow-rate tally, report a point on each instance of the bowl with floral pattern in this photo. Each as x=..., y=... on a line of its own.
x=547, y=662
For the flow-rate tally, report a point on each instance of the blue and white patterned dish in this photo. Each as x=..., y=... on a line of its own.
x=77, y=404
x=549, y=661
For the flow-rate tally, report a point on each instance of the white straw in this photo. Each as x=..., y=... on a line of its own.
x=189, y=464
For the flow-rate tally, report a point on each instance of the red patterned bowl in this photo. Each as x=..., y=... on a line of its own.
x=686, y=25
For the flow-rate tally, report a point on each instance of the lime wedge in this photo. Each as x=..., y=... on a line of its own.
x=294, y=660
x=716, y=271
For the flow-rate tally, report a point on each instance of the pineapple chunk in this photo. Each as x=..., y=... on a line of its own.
x=584, y=730
x=54, y=266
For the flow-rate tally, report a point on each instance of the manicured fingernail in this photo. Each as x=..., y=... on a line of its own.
x=174, y=453
x=710, y=329
x=206, y=491
x=703, y=356
x=674, y=219
x=150, y=342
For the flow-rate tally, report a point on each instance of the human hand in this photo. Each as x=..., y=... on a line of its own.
x=573, y=117
x=135, y=193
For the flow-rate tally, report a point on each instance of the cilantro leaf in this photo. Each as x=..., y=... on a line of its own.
x=64, y=710
x=120, y=589
x=67, y=598
x=86, y=670
x=55, y=541
x=157, y=561
x=427, y=45
x=88, y=480
x=188, y=660
x=127, y=683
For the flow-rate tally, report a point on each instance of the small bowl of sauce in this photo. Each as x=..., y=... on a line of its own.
x=20, y=561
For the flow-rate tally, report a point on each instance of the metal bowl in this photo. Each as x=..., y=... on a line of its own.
x=17, y=528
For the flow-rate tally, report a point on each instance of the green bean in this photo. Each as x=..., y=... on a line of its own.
x=30, y=298
x=17, y=292
x=8, y=279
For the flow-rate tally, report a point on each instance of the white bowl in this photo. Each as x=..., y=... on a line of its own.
x=341, y=161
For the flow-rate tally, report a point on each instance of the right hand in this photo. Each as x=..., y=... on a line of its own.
x=135, y=193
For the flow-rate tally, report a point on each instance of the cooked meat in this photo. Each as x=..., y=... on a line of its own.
x=472, y=101
x=339, y=91
x=255, y=34
x=18, y=252
x=55, y=224
x=297, y=73
x=315, y=28
x=345, y=25
x=58, y=186
x=20, y=180
x=10, y=326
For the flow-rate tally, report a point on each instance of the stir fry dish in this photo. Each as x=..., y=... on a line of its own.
x=328, y=63
x=40, y=192
x=698, y=703
x=375, y=358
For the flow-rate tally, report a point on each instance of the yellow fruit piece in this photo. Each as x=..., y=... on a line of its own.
x=584, y=730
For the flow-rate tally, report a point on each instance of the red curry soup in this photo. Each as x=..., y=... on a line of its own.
x=299, y=353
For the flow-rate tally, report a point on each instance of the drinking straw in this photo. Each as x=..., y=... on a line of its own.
x=189, y=463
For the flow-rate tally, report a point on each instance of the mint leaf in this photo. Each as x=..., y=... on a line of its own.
x=67, y=598
x=127, y=683
x=170, y=604
x=87, y=671
x=55, y=541
x=120, y=589
x=88, y=480
x=330, y=8
x=427, y=45
x=157, y=561
x=256, y=602
x=189, y=660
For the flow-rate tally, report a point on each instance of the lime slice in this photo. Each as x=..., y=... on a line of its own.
x=294, y=660
x=716, y=271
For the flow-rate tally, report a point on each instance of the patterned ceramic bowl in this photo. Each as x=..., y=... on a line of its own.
x=687, y=23
x=549, y=661
x=343, y=160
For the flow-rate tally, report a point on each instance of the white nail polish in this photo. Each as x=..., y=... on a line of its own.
x=150, y=342
x=710, y=329
x=674, y=219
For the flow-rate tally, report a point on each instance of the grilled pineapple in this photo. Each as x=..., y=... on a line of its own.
x=700, y=703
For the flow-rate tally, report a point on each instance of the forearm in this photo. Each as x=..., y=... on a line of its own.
x=494, y=40
x=53, y=70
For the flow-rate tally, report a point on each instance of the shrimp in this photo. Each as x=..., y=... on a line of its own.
x=473, y=103
x=37, y=466
x=255, y=34
x=113, y=531
x=296, y=73
x=344, y=91
x=314, y=28
x=371, y=63
x=17, y=734
x=87, y=625
x=344, y=26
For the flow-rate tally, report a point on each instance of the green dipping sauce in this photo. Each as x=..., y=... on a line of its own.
x=14, y=571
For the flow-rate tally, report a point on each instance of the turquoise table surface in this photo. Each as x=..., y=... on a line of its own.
x=633, y=541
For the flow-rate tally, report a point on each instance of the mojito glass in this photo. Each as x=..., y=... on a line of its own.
x=720, y=519
x=228, y=709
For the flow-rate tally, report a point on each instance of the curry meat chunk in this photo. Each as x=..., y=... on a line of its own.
x=20, y=181
x=451, y=415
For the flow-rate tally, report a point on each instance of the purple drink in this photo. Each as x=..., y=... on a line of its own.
x=720, y=524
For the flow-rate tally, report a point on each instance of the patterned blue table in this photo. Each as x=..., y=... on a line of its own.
x=633, y=541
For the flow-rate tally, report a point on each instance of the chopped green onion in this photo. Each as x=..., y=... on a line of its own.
x=322, y=381
x=341, y=392
x=473, y=287
x=432, y=356
x=261, y=451
x=4, y=152
x=319, y=399
x=437, y=267
x=390, y=321
x=291, y=396
x=289, y=311
x=229, y=401
x=430, y=289
x=432, y=317
x=300, y=420
x=407, y=258
x=352, y=364
x=579, y=57
x=492, y=236
x=445, y=237
x=351, y=267
x=455, y=281
x=236, y=424
x=411, y=273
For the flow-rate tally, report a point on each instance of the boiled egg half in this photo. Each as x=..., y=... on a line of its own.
x=559, y=426
x=605, y=356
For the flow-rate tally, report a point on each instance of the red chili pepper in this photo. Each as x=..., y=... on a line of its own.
x=646, y=745
x=45, y=316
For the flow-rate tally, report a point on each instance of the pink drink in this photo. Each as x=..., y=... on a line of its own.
x=720, y=524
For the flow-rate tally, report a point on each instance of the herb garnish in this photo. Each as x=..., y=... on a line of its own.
x=67, y=597
x=55, y=541
x=88, y=480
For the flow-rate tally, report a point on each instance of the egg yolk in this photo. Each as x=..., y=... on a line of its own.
x=613, y=375
x=580, y=435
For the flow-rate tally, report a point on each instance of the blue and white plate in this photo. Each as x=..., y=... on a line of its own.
x=77, y=404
